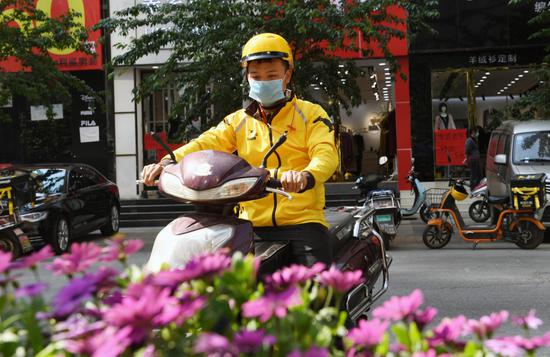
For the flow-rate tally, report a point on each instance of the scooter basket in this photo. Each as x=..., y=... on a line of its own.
x=434, y=196
x=528, y=191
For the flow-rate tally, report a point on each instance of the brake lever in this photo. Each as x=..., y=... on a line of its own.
x=280, y=192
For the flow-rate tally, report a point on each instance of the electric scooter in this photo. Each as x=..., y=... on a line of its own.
x=479, y=209
x=216, y=182
x=516, y=225
x=419, y=204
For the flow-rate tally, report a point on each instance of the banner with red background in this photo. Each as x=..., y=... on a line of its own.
x=449, y=147
x=69, y=59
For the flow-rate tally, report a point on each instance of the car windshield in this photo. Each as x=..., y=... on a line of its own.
x=49, y=181
x=532, y=147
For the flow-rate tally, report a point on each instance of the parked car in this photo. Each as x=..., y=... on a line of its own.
x=70, y=200
x=519, y=148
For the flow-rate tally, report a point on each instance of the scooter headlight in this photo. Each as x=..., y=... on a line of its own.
x=234, y=188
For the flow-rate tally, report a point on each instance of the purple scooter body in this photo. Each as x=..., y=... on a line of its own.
x=215, y=182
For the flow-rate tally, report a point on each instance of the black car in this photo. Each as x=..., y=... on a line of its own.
x=70, y=200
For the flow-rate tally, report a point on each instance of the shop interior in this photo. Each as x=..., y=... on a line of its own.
x=476, y=97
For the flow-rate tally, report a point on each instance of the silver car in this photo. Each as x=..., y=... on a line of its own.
x=519, y=148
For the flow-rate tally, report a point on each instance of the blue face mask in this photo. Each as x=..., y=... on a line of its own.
x=266, y=92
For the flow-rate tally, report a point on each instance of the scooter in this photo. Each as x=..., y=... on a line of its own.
x=216, y=182
x=387, y=213
x=516, y=225
x=419, y=204
x=479, y=210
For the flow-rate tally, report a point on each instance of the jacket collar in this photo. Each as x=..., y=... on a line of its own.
x=254, y=108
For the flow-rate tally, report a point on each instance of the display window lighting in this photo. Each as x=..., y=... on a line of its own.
x=520, y=75
x=487, y=73
x=526, y=71
x=382, y=64
x=484, y=77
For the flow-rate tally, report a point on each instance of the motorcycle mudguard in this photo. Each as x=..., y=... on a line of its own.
x=535, y=221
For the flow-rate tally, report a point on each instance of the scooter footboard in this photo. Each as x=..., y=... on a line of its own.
x=273, y=256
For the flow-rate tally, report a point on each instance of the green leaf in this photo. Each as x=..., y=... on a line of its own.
x=401, y=332
x=384, y=347
x=415, y=337
x=472, y=349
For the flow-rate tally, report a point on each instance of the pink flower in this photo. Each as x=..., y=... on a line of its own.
x=448, y=332
x=252, y=341
x=212, y=344
x=368, y=333
x=424, y=317
x=30, y=290
x=341, y=281
x=511, y=343
x=292, y=275
x=400, y=307
x=484, y=327
x=108, y=343
x=32, y=260
x=528, y=322
x=152, y=309
x=207, y=265
x=81, y=257
x=429, y=353
x=5, y=260
x=272, y=304
x=120, y=248
x=504, y=347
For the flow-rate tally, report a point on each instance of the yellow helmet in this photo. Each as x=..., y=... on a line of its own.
x=267, y=45
x=459, y=193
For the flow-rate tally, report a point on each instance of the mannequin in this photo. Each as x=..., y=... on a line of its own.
x=444, y=120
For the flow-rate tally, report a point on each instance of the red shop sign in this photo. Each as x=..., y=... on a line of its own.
x=69, y=59
x=449, y=147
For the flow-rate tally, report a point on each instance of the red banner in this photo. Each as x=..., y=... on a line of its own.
x=69, y=59
x=449, y=147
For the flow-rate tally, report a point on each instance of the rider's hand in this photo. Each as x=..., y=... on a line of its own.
x=295, y=181
x=150, y=173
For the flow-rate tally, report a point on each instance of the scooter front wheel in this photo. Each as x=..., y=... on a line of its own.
x=436, y=237
x=530, y=236
x=479, y=211
x=426, y=214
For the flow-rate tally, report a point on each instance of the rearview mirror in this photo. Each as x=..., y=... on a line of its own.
x=382, y=160
x=500, y=159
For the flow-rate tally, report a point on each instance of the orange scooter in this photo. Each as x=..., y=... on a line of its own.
x=516, y=225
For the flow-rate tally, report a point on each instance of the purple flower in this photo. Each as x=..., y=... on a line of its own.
x=82, y=256
x=312, y=352
x=276, y=303
x=32, y=260
x=113, y=298
x=292, y=275
x=510, y=343
x=212, y=344
x=104, y=277
x=252, y=341
x=400, y=307
x=484, y=327
x=108, y=343
x=168, y=278
x=5, y=260
x=76, y=327
x=424, y=317
x=341, y=281
x=448, y=332
x=152, y=309
x=120, y=249
x=30, y=290
x=207, y=265
x=368, y=333
x=504, y=347
x=69, y=298
x=528, y=322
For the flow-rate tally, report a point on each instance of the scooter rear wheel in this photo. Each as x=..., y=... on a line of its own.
x=530, y=236
x=479, y=211
x=436, y=237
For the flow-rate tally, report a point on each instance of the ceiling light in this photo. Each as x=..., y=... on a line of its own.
x=382, y=64
x=526, y=71
x=487, y=73
x=512, y=82
x=484, y=77
x=386, y=69
x=341, y=65
x=373, y=85
x=505, y=87
x=373, y=76
x=520, y=75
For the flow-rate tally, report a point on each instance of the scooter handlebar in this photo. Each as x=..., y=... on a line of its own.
x=274, y=183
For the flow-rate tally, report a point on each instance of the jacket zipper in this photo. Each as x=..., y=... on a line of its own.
x=273, y=218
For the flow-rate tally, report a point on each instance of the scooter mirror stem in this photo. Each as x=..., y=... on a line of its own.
x=164, y=146
x=275, y=146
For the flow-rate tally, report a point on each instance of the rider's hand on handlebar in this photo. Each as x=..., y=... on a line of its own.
x=151, y=172
x=294, y=181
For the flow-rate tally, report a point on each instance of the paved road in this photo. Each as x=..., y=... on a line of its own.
x=456, y=279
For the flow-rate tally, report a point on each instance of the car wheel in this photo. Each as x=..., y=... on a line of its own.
x=10, y=244
x=60, y=235
x=113, y=224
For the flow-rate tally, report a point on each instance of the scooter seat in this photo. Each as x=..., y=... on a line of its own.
x=478, y=227
x=340, y=226
x=499, y=199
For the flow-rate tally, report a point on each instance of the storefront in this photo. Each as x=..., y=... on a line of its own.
x=79, y=129
x=480, y=61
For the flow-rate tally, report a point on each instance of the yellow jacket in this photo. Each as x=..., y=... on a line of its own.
x=309, y=147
